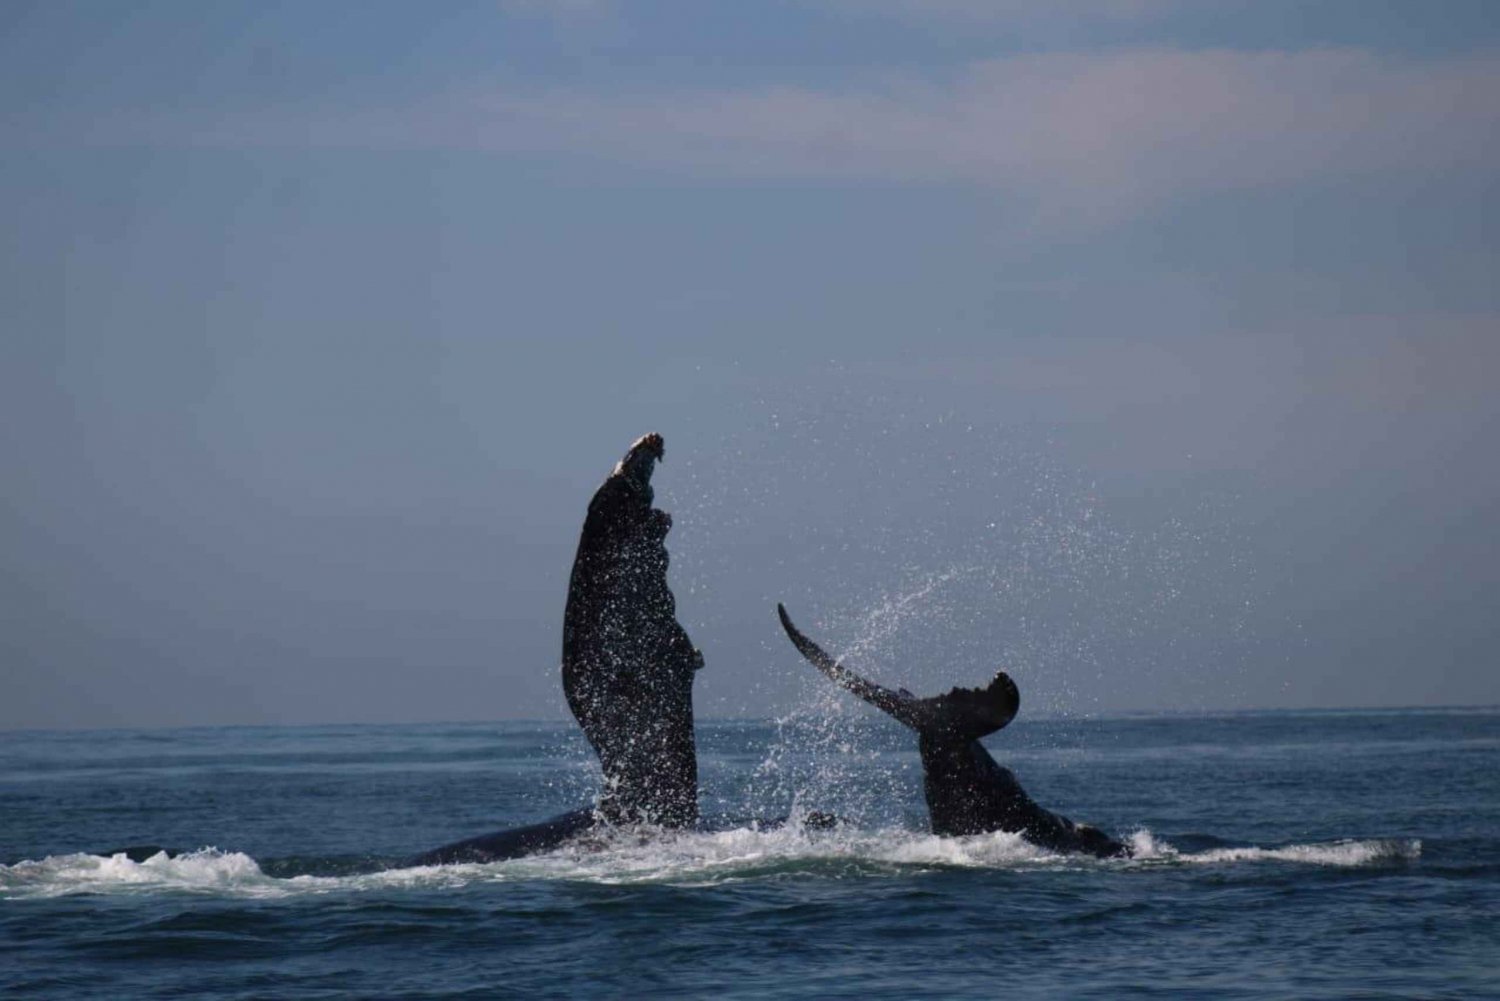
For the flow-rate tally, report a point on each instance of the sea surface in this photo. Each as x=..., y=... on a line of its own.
x=1278, y=855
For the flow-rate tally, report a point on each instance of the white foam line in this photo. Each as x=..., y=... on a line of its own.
x=630, y=857
x=1347, y=852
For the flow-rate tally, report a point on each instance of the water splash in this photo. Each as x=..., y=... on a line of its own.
x=936, y=551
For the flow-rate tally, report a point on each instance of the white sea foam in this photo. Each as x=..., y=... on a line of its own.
x=673, y=858
x=1148, y=848
x=206, y=870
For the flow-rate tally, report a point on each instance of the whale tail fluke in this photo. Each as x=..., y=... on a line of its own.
x=974, y=712
x=965, y=713
x=899, y=704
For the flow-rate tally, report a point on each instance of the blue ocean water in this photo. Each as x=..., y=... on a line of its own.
x=1289, y=854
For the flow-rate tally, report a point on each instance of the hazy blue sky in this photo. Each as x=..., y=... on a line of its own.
x=1146, y=348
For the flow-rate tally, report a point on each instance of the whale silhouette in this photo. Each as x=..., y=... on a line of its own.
x=627, y=671
x=967, y=791
x=628, y=665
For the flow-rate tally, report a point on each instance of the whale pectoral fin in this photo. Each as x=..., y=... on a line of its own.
x=628, y=664
x=641, y=458
x=900, y=705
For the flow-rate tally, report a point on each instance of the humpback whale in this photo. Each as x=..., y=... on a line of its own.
x=967, y=791
x=627, y=671
x=628, y=665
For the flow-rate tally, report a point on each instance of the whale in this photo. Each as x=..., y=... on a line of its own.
x=627, y=664
x=510, y=843
x=967, y=790
x=627, y=671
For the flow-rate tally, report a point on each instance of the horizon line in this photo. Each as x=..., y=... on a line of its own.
x=1446, y=708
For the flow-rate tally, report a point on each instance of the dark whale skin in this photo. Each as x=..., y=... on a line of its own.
x=967, y=790
x=627, y=668
x=627, y=663
x=511, y=843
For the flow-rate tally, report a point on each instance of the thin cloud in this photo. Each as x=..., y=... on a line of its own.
x=1400, y=394
x=557, y=8
x=1008, y=10
x=1102, y=134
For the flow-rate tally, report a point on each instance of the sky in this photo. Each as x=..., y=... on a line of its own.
x=1146, y=349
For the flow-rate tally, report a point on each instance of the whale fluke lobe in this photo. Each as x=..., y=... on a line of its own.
x=627, y=663
x=961, y=712
x=898, y=704
x=967, y=791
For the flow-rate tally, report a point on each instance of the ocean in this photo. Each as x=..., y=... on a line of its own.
x=1327, y=854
